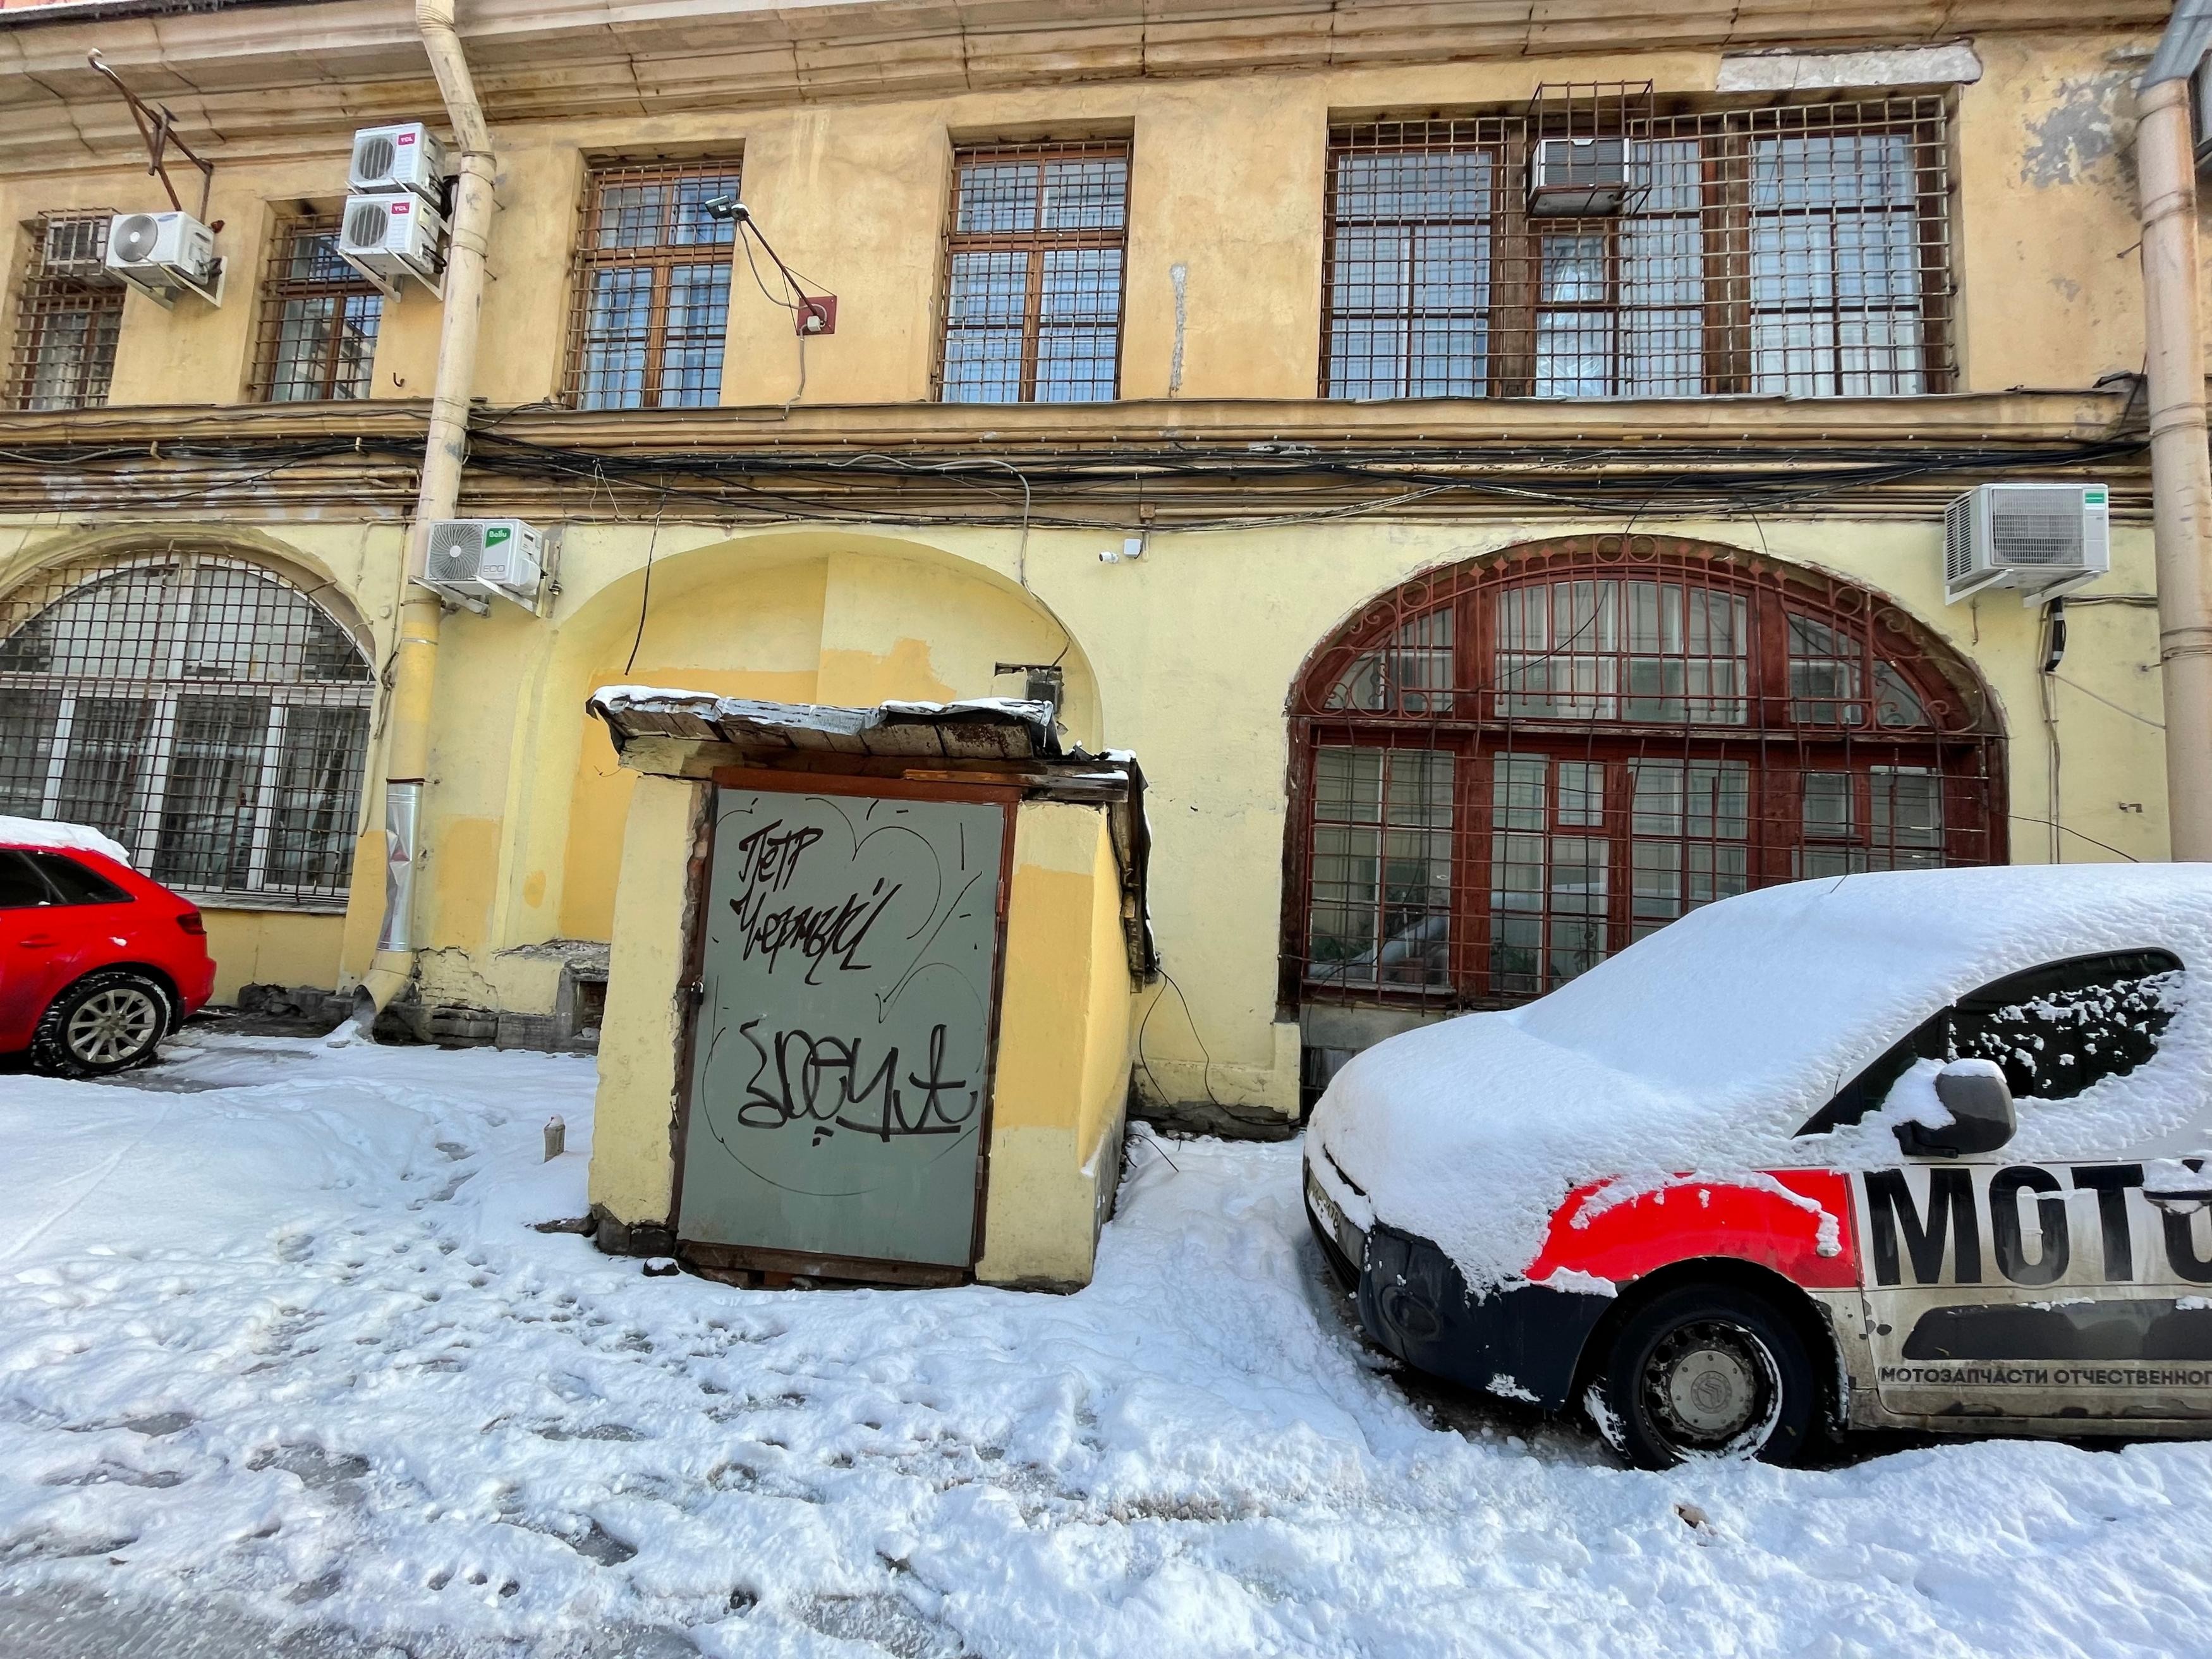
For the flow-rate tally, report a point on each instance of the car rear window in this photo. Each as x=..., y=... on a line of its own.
x=19, y=886
x=75, y=884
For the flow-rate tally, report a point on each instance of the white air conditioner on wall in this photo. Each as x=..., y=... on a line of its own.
x=1578, y=177
x=389, y=159
x=470, y=559
x=2043, y=539
x=386, y=237
x=162, y=253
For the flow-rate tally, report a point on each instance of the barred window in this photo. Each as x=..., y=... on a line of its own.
x=1034, y=251
x=204, y=712
x=1801, y=250
x=652, y=288
x=68, y=313
x=318, y=318
x=1509, y=769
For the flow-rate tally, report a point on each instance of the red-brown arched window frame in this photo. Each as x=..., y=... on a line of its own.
x=1505, y=770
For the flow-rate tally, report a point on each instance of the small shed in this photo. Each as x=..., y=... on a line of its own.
x=869, y=996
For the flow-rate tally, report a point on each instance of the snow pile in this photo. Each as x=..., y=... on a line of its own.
x=44, y=832
x=1702, y=1050
x=284, y=1370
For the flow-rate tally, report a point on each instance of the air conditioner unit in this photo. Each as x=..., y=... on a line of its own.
x=2043, y=540
x=471, y=558
x=1578, y=177
x=386, y=159
x=159, y=253
x=76, y=246
x=385, y=237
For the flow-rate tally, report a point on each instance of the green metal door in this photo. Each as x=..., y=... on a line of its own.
x=840, y=1060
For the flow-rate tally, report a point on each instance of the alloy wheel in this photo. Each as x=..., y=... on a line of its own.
x=114, y=1025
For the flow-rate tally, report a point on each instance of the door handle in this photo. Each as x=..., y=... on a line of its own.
x=35, y=941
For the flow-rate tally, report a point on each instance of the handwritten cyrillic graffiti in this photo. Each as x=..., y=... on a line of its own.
x=827, y=1081
x=818, y=932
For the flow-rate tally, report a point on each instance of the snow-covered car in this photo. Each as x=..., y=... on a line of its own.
x=1909, y=1149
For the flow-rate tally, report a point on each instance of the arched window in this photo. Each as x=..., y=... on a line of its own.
x=1504, y=771
x=204, y=712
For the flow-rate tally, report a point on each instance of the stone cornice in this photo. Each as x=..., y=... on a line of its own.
x=1998, y=419
x=269, y=77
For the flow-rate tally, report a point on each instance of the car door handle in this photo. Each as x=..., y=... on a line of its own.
x=35, y=941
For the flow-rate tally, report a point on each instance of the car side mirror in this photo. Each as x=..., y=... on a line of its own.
x=1983, y=1118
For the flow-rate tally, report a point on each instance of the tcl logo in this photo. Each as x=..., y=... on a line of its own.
x=398, y=210
x=404, y=138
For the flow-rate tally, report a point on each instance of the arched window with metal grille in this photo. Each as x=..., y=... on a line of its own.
x=203, y=711
x=1506, y=770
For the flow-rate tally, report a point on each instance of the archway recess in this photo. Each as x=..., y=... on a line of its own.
x=1505, y=770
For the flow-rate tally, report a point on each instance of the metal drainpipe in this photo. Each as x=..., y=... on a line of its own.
x=2180, y=465
x=415, y=673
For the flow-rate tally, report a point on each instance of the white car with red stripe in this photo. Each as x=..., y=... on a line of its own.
x=1918, y=1150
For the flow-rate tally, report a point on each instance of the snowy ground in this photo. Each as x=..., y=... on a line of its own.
x=284, y=1370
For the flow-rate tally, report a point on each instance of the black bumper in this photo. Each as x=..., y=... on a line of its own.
x=1529, y=1339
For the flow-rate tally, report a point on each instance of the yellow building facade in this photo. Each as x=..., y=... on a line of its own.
x=1481, y=591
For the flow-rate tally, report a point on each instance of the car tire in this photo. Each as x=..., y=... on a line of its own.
x=1707, y=1371
x=107, y=1022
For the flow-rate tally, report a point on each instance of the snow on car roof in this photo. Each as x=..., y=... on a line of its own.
x=1704, y=1047
x=43, y=832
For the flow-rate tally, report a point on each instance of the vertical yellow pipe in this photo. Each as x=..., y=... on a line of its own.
x=415, y=668
x=2180, y=466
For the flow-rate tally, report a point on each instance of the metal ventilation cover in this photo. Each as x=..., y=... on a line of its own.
x=2043, y=540
x=366, y=223
x=456, y=551
x=373, y=157
x=135, y=237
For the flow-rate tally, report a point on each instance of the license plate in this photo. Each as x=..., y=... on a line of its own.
x=1349, y=1239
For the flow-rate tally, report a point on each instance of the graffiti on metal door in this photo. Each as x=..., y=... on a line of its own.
x=845, y=1025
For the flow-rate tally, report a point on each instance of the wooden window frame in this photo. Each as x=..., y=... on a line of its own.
x=39, y=298
x=660, y=259
x=1726, y=218
x=1035, y=244
x=1959, y=742
x=279, y=288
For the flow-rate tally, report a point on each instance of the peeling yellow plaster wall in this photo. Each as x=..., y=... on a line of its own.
x=272, y=947
x=633, y=1161
x=1061, y=1077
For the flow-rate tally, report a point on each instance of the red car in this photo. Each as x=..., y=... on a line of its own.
x=97, y=963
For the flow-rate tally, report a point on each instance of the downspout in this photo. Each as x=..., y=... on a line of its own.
x=2180, y=464
x=415, y=670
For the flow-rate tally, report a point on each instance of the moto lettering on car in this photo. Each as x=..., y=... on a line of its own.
x=1924, y=1227
x=2032, y=1290
x=1798, y=1222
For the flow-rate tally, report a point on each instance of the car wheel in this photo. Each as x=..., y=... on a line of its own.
x=1707, y=1371
x=107, y=1022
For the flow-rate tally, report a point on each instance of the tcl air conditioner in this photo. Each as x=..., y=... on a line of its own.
x=2043, y=540
x=1578, y=177
x=75, y=245
x=160, y=253
x=385, y=237
x=471, y=558
x=390, y=159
